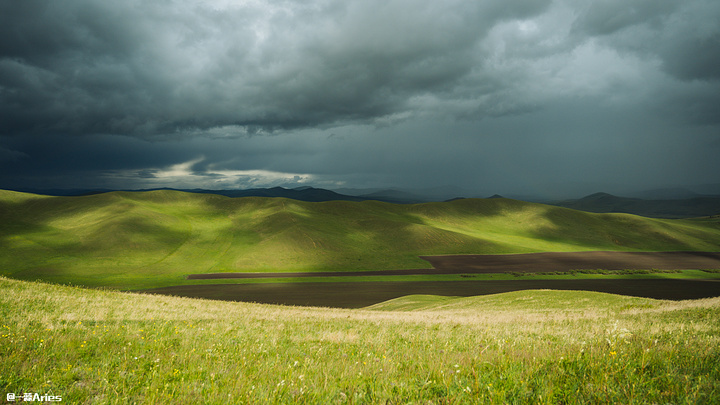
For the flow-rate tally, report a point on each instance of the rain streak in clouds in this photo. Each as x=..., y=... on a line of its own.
x=494, y=96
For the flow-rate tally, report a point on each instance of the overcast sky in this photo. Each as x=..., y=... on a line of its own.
x=536, y=97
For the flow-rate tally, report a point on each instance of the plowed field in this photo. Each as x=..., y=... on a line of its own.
x=523, y=263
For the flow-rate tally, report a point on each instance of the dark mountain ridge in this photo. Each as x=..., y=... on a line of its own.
x=665, y=208
x=700, y=206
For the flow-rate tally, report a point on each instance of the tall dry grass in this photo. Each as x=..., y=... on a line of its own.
x=93, y=346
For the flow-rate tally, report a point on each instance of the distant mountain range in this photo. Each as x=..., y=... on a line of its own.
x=309, y=194
x=677, y=203
x=407, y=196
x=305, y=193
x=698, y=206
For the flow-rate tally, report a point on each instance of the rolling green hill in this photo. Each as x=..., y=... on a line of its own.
x=548, y=300
x=156, y=238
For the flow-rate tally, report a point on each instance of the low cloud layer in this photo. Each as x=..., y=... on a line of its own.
x=342, y=91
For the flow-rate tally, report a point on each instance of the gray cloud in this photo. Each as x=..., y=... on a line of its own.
x=684, y=36
x=9, y=155
x=159, y=67
x=611, y=16
x=172, y=67
x=695, y=58
x=503, y=96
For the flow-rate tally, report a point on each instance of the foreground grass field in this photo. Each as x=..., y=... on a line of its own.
x=106, y=347
x=133, y=240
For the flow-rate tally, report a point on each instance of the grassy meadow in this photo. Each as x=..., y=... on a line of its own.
x=133, y=240
x=108, y=347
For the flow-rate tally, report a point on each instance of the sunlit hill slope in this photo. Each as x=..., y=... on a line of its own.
x=143, y=239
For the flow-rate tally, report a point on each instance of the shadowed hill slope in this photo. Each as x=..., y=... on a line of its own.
x=676, y=208
x=145, y=239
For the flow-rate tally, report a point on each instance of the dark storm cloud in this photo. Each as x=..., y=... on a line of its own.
x=82, y=66
x=610, y=16
x=694, y=58
x=685, y=36
x=503, y=96
x=172, y=67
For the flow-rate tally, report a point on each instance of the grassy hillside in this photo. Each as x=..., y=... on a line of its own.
x=148, y=239
x=105, y=347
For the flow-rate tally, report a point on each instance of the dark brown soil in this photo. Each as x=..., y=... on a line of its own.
x=525, y=263
x=565, y=261
x=361, y=294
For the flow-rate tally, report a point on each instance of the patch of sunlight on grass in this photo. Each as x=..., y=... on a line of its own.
x=93, y=346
